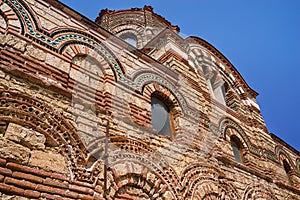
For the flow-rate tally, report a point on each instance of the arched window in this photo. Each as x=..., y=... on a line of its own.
x=161, y=117
x=236, y=149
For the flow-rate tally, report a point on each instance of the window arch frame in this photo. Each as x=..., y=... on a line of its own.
x=283, y=158
x=172, y=100
x=129, y=34
x=231, y=131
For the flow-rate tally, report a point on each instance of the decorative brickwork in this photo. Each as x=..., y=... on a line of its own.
x=75, y=112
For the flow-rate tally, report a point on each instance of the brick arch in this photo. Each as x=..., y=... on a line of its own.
x=194, y=175
x=11, y=17
x=146, y=188
x=229, y=190
x=206, y=190
x=208, y=65
x=163, y=92
x=136, y=28
x=90, y=74
x=135, y=32
x=134, y=25
x=30, y=112
x=109, y=65
x=215, y=73
x=214, y=190
x=85, y=60
x=199, y=57
x=185, y=119
x=60, y=38
x=169, y=99
x=227, y=123
x=149, y=82
x=129, y=32
x=140, y=173
x=209, y=52
x=257, y=192
x=283, y=155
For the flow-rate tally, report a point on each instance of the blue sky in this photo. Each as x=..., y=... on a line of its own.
x=260, y=37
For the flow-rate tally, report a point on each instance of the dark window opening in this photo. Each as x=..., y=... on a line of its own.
x=286, y=166
x=161, y=117
x=287, y=169
x=236, y=148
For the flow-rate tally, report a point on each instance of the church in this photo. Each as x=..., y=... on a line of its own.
x=123, y=107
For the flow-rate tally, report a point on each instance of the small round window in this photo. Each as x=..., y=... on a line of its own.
x=130, y=38
x=161, y=118
x=130, y=41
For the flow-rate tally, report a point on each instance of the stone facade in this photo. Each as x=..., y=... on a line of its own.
x=76, y=113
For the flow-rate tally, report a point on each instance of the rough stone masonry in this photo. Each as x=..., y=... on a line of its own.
x=125, y=108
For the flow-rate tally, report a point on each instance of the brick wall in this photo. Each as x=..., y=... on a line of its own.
x=75, y=116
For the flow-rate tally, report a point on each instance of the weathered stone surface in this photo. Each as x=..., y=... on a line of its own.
x=11, y=197
x=15, y=23
x=79, y=77
x=48, y=161
x=12, y=151
x=57, y=63
x=67, y=85
x=13, y=41
x=4, y=7
x=25, y=136
x=2, y=74
x=168, y=196
x=35, y=53
x=2, y=23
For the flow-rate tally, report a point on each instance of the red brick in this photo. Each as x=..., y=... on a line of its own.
x=14, y=56
x=59, y=176
x=58, y=197
x=83, y=184
x=47, y=196
x=5, y=171
x=1, y=178
x=21, y=168
x=11, y=189
x=32, y=194
x=2, y=162
x=71, y=194
x=30, y=177
x=85, y=197
x=10, y=15
x=39, y=172
x=56, y=183
x=15, y=166
x=20, y=183
x=48, y=189
x=81, y=189
x=126, y=196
